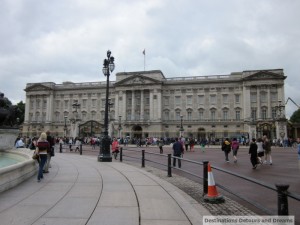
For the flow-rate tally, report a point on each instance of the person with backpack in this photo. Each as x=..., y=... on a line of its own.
x=50, y=151
x=226, y=147
x=235, y=145
x=253, y=153
x=177, y=151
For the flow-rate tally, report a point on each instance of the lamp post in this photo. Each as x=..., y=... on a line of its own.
x=120, y=126
x=108, y=67
x=181, y=126
x=65, y=128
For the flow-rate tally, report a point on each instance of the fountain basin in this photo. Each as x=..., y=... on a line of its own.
x=18, y=167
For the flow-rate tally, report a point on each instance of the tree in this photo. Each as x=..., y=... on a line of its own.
x=295, y=118
x=21, y=111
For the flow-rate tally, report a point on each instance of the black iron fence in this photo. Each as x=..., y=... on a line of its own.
x=281, y=189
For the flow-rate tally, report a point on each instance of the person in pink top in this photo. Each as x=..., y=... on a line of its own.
x=115, y=148
x=235, y=147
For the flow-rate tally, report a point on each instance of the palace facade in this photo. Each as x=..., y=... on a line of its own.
x=147, y=104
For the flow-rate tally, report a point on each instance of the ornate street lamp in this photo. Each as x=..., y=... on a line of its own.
x=108, y=67
x=65, y=128
x=120, y=126
x=181, y=126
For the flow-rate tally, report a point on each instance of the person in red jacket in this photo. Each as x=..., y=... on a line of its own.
x=115, y=148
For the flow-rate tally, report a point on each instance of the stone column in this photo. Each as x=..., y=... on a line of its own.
x=269, y=102
x=258, y=115
x=117, y=107
x=246, y=103
x=27, y=108
x=159, y=112
x=151, y=106
x=49, y=110
x=142, y=105
x=124, y=106
x=132, y=105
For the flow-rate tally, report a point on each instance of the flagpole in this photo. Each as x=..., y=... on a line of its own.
x=144, y=53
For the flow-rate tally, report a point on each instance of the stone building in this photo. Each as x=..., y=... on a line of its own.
x=147, y=104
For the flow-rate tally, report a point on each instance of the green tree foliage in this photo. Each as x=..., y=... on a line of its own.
x=295, y=118
x=5, y=102
x=21, y=111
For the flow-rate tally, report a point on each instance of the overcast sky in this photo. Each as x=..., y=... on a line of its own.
x=67, y=40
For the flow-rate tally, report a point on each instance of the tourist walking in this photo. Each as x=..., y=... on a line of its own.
x=160, y=145
x=267, y=148
x=115, y=148
x=42, y=148
x=253, y=153
x=192, y=144
x=202, y=144
x=235, y=145
x=187, y=143
x=260, y=150
x=50, y=151
x=177, y=151
x=77, y=144
x=226, y=147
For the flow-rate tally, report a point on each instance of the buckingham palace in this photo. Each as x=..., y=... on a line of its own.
x=147, y=104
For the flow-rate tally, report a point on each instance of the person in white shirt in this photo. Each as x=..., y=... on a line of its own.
x=20, y=143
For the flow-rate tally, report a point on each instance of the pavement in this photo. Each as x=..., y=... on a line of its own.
x=80, y=190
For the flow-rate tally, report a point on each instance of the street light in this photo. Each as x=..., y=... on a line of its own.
x=65, y=128
x=108, y=67
x=120, y=126
x=181, y=126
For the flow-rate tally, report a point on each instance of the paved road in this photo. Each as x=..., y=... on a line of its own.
x=285, y=170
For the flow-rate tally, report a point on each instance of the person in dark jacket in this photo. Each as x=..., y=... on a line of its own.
x=226, y=147
x=177, y=151
x=253, y=153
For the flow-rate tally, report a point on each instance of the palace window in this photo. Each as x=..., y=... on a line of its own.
x=66, y=104
x=225, y=99
x=200, y=99
x=253, y=97
x=253, y=114
x=225, y=115
x=57, y=104
x=166, y=101
x=189, y=100
x=263, y=97
x=238, y=115
x=177, y=100
x=201, y=115
x=189, y=115
x=84, y=101
x=177, y=115
x=167, y=115
x=213, y=115
x=94, y=103
x=237, y=98
x=213, y=99
x=264, y=113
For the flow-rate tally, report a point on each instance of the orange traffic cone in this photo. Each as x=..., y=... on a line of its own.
x=212, y=195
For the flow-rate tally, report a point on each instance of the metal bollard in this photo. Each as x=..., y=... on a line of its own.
x=80, y=149
x=283, y=206
x=60, y=147
x=205, y=178
x=169, y=165
x=121, y=154
x=143, y=158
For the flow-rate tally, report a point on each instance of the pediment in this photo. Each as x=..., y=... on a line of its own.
x=137, y=80
x=37, y=87
x=264, y=75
